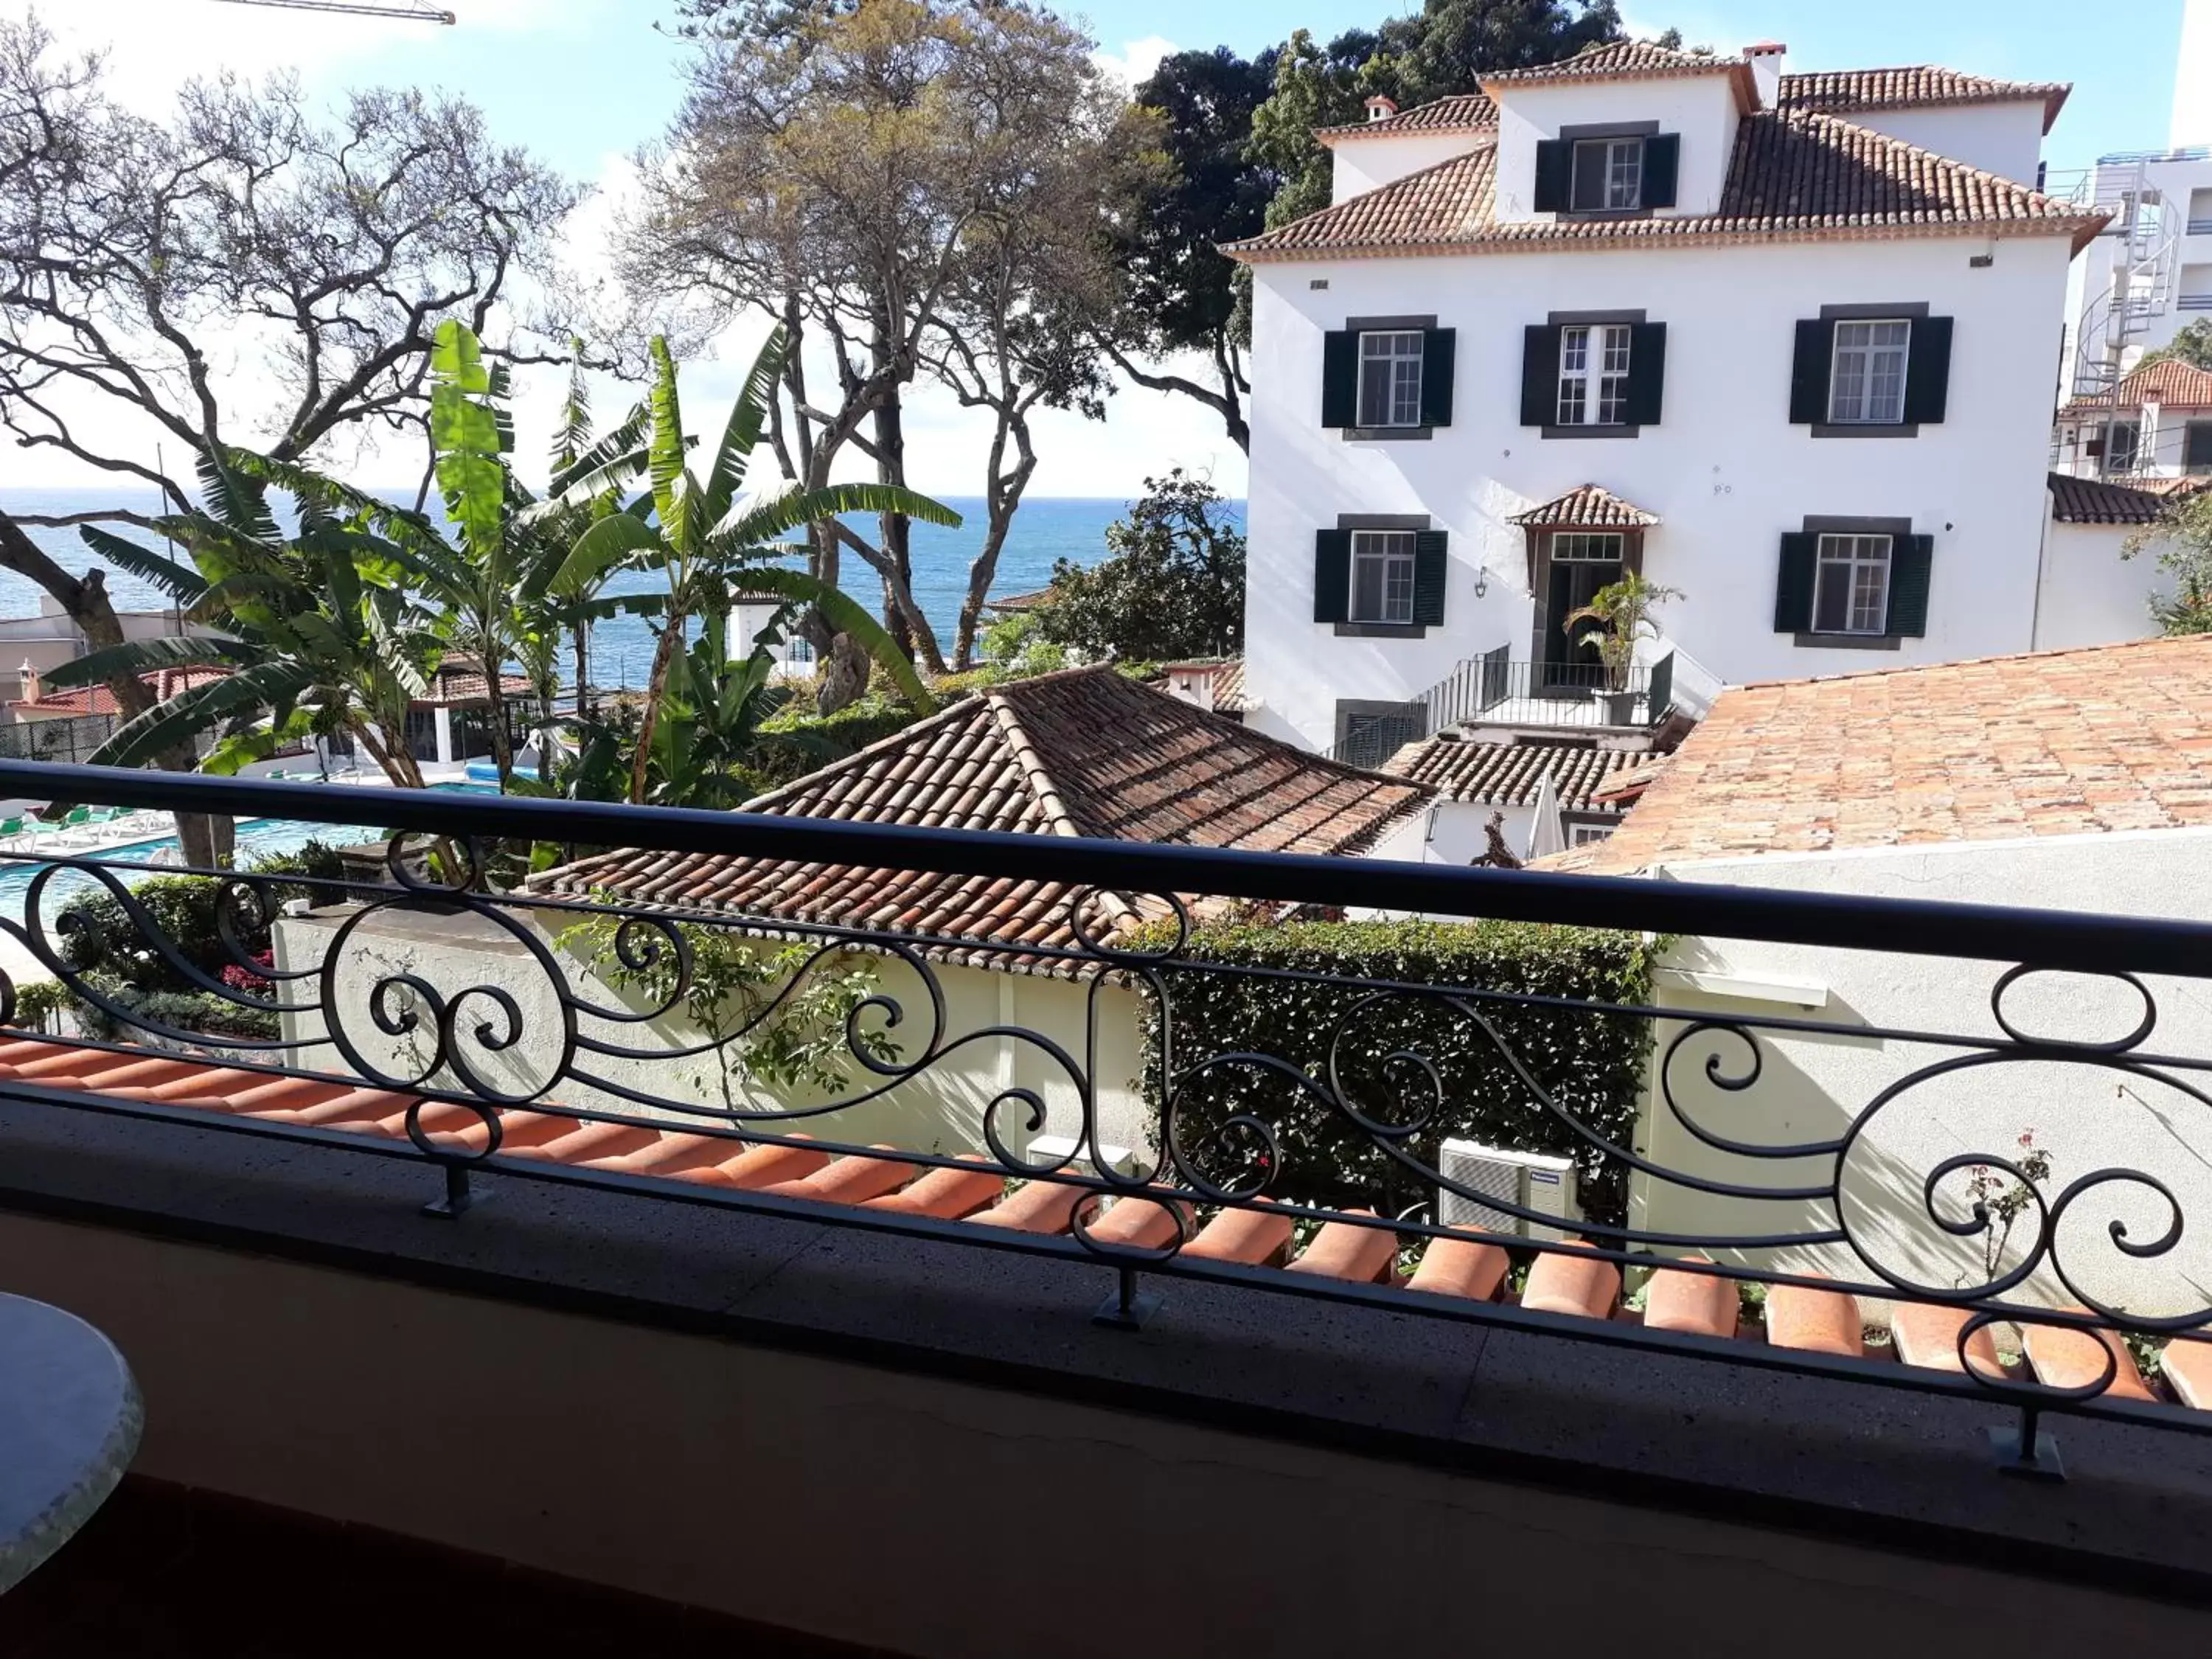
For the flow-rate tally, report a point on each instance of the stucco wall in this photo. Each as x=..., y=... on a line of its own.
x=1726, y=470
x=2006, y=139
x=940, y=1110
x=1699, y=108
x=1365, y=164
x=2090, y=594
x=1812, y=1087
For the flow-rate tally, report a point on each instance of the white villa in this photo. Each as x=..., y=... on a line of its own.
x=1784, y=343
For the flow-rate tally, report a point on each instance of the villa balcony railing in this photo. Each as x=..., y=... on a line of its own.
x=1122, y=1113
x=1493, y=689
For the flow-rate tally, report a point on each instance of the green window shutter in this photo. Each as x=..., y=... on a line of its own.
x=1662, y=161
x=1647, y=373
x=1808, y=373
x=1540, y=375
x=1340, y=379
x=1911, y=561
x=1439, y=348
x=1928, y=370
x=1332, y=575
x=1432, y=575
x=1793, y=585
x=1555, y=174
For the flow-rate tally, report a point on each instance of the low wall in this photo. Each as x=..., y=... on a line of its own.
x=940, y=1109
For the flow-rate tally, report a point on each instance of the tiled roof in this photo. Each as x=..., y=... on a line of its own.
x=1627, y=60
x=1086, y=752
x=1028, y=601
x=2093, y=501
x=1228, y=676
x=81, y=700
x=1467, y=1262
x=2170, y=381
x=1509, y=774
x=2058, y=743
x=1587, y=507
x=1795, y=174
x=1471, y=112
x=460, y=681
x=1917, y=85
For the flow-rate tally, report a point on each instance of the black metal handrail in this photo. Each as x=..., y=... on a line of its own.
x=437, y=1028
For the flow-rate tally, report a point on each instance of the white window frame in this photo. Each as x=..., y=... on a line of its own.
x=1405, y=349
x=1392, y=549
x=1589, y=547
x=1856, y=370
x=1619, y=176
x=1866, y=565
x=1594, y=364
x=1586, y=835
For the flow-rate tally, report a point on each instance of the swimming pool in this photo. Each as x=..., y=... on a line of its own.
x=258, y=838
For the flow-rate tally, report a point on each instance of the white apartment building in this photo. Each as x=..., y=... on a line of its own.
x=1784, y=343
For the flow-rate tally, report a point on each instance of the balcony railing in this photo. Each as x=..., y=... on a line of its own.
x=543, y=1035
x=1493, y=689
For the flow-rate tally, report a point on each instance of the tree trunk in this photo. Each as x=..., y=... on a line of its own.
x=1002, y=493
x=84, y=599
x=664, y=654
x=840, y=675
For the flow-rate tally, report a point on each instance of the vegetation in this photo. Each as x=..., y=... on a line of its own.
x=774, y=1013
x=1591, y=1065
x=1172, y=584
x=1622, y=611
x=2191, y=345
x=2181, y=540
x=102, y=945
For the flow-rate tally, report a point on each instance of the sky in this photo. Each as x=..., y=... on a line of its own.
x=584, y=83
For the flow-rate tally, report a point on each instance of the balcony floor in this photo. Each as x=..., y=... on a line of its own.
x=165, y=1571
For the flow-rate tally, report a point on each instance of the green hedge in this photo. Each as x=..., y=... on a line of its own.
x=792, y=743
x=1591, y=1064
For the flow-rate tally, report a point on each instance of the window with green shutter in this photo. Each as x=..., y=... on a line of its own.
x=1332, y=576
x=1793, y=585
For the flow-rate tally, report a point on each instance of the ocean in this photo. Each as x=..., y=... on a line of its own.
x=1045, y=530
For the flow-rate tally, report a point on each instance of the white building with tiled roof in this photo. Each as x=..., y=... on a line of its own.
x=1784, y=343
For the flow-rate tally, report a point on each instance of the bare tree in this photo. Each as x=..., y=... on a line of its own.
x=827, y=170
x=238, y=273
x=1034, y=267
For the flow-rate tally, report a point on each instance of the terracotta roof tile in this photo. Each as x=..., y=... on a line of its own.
x=1627, y=60
x=1086, y=752
x=163, y=683
x=2170, y=381
x=2105, y=738
x=1510, y=773
x=1794, y=174
x=1917, y=85
x=2093, y=501
x=1472, y=112
x=1587, y=507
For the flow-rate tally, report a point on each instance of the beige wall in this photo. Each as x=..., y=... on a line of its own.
x=953, y=1520
x=940, y=1110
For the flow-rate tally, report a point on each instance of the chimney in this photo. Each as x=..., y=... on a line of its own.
x=29, y=675
x=1766, y=58
x=1380, y=108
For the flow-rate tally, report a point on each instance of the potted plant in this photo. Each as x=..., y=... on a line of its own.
x=1622, y=611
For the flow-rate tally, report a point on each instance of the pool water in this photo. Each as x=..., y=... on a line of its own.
x=258, y=838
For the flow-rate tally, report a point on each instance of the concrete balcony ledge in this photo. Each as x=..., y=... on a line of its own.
x=832, y=1431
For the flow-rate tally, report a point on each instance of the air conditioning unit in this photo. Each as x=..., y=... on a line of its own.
x=1533, y=1181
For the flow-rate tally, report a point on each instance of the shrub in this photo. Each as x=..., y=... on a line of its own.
x=1591, y=1064
x=797, y=741
x=36, y=1002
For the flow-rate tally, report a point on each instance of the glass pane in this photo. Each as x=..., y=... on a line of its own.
x=1625, y=175
x=1367, y=589
x=1589, y=189
x=1398, y=591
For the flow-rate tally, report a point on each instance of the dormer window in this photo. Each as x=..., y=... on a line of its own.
x=1625, y=167
x=1608, y=175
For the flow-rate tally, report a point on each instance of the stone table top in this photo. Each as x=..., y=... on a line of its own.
x=70, y=1418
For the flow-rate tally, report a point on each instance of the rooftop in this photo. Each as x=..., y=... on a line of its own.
x=1915, y=86
x=1086, y=752
x=1630, y=60
x=80, y=700
x=2060, y=742
x=2170, y=381
x=1469, y=111
x=1794, y=174
x=1511, y=774
x=2094, y=501
x=1587, y=507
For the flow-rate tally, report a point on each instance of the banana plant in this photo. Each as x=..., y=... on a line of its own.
x=702, y=536
x=320, y=633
